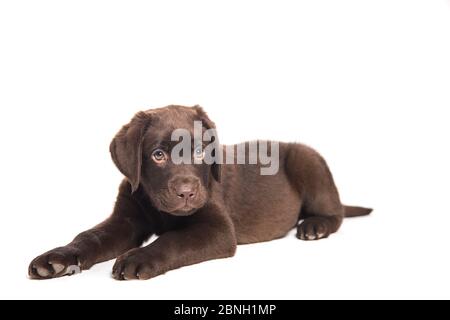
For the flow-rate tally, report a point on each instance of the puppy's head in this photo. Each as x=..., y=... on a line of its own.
x=142, y=151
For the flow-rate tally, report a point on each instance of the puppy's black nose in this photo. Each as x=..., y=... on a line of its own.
x=185, y=190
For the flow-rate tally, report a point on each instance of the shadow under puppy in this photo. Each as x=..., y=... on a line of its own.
x=200, y=211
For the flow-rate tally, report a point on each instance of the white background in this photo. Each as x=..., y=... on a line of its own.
x=367, y=83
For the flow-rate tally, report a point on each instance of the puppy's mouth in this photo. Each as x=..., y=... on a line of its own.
x=177, y=209
x=185, y=210
x=175, y=206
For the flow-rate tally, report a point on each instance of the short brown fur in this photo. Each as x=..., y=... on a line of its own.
x=231, y=204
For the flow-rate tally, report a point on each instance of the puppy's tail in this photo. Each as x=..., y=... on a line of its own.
x=351, y=211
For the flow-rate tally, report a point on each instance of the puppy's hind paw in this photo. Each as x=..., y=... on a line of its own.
x=313, y=228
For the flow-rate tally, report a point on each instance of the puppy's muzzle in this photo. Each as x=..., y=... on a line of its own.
x=184, y=190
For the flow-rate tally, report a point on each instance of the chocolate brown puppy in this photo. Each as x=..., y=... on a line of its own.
x=199, y=210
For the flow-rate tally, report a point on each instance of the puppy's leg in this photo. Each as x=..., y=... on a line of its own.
x=322, y=214
x=208, y=235
x=322, y=210
x=125, y=229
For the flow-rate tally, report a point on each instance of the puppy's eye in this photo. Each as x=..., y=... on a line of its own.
x=159, y=156
x=199, y=153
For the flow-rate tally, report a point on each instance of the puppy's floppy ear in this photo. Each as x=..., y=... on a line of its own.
x=216, y=168
x=126, y=148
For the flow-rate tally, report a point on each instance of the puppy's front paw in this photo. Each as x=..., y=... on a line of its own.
x=55, y=263
x=313, y=228
x=135, y=264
